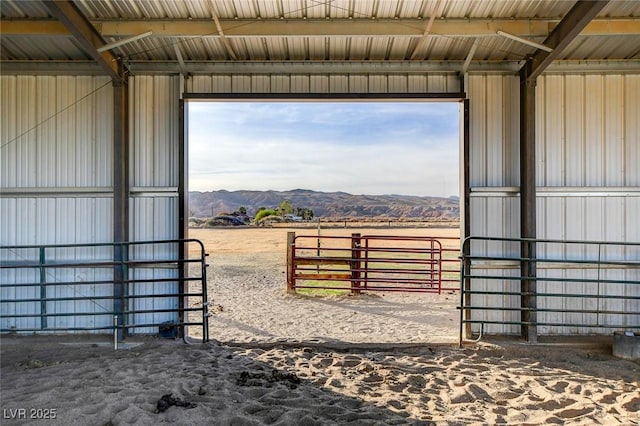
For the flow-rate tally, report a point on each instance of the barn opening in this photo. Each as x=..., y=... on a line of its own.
x=370, y=148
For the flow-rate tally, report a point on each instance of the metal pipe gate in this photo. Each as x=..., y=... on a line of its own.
x=70, y=287
x=369, y=263
x=583, y=287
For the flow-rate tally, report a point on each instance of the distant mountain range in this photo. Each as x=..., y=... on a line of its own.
x=326, y=204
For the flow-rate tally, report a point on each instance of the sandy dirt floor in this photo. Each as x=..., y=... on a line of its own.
x=277, y=358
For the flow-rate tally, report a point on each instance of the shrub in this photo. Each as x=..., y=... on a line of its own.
x=264, y=213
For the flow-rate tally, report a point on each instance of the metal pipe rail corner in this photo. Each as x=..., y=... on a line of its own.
x=572, y=286
x=154, y=285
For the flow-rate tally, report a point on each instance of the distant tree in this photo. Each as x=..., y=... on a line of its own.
x=242, y=210
x=307, y=214
x=285, y=207
x=304, y=213
x=264, y=213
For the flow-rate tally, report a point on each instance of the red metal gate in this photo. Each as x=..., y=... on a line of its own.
x=371, y=263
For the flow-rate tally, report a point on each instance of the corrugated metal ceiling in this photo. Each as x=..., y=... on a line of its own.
x=280, y=30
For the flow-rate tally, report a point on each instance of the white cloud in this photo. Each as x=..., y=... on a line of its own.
x=366, y=148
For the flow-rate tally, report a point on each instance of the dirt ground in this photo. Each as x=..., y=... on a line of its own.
x=281, y=359
x=247, y=285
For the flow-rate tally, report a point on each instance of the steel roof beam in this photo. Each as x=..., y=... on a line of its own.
x=574, y=22
x=311, y=67
x=324, y=28
x=85, y=34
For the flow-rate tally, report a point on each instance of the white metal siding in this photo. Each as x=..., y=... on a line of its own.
x=352, y=83
x=56, y=184
x=588, y=152
x=155, y=177
x=56, y=179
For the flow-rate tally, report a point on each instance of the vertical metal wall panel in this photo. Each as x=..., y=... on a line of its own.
x=574, y=132
x=78, y=129
x=553, y=154
x=56, y=134
x=632, y=130
x=8, y=130
x=378, y=84
x=417, y=83
x=319, y=84
x=338, y=84
x=587, y=135
x=219, y=83
x=154, y=217
x=358, y=83
x=280, y=84
x=329, y=83
x=260, y=84
x=241, y=83
x=200, y=84
x=511, y=131
x=154, y=130
x=398, y=83
x=494, y=131
x=154, y=203
x=588, y=140
x=477, y=134
x=614, y=134
x=300, y=84
x=595, y=110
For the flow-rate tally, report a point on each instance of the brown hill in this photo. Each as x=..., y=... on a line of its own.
x=326, y=204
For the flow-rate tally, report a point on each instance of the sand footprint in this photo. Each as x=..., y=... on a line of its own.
x=416, y=383
x=573, y=413
x=632, y=406
x=558, y=387
x=610, y=398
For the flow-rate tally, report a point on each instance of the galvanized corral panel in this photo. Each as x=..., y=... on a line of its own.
x=24, y=292
x=595, y=218
x=71, y=220
x=154, y=130
x=499, y=316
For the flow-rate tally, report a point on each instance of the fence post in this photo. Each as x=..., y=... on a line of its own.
x=355, y=263
x=291, y=236
x=43, y=289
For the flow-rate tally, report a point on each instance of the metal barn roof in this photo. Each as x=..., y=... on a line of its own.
x=211, y=36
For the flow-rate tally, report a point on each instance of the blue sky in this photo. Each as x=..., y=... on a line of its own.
x=409, y=148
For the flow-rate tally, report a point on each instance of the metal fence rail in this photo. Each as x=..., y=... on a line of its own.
x=73, y=287
x=369, y=262
x=582, y=287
